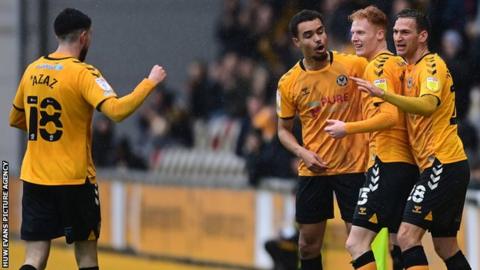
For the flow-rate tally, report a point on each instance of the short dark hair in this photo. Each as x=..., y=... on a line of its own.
x=69, y=21
x=423, y=23
x=303, y=16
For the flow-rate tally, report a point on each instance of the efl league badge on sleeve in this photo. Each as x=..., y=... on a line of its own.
x=432, y=84
x=107, y=89
x=381, y=83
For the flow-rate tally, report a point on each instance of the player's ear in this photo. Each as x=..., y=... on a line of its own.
x=381, y=34
x=296, y=42
x=83, y=36
x=423, y=36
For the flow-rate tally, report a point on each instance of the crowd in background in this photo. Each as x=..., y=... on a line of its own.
x=229, y=104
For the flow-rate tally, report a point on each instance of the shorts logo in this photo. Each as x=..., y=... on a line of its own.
x=363, y=196
x=417, y=194
x=429, y=216
x=435, y=176
x=417, y=209
x=97, y=202
x=342, y=80
x=362, y=211
x=374, y=219
x=374, y=178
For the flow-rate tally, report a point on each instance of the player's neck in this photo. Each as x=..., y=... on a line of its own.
x=419, y=53
x=312, y=64
x=381, y=48
x=67, y=50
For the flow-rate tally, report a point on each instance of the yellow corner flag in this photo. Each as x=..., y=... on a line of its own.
x=380, y=249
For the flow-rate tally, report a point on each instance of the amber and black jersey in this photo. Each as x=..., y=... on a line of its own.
x=58, y=95
x=433, y=136
x=386, y=71
x=316, y=96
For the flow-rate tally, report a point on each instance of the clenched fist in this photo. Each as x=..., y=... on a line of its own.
x=157, y=74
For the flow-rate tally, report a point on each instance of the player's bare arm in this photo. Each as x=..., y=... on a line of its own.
x=17, y=119
x=313, y=162
x=121, y=108
x=424, y=105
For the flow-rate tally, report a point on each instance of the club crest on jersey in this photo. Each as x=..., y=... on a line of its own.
x=342, y=80
x=409, y=82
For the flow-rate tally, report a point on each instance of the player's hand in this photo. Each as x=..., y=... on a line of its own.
x=157, y=74
x=313, y=162
x=336, y=129
x=369, y=88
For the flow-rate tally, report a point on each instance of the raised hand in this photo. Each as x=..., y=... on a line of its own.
x=367, y=87
x=335, y=128
x=157, y=74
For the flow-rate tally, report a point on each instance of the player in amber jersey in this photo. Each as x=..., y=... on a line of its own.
x=54, y=103
x=437, y=199
x=392, y=171
x=315, y=89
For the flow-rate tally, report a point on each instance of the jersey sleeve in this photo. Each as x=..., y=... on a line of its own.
x=19, y=96
x=94, y=87
x=382, y=73
x=432, y=78
x=285, y=99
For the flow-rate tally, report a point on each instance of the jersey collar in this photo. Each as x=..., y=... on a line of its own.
x=330, y=55
x=425, y=55
x=58, y=56
x=383, y=53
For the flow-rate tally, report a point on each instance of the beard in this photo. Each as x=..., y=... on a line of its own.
x=83, y=54
x=320, y=58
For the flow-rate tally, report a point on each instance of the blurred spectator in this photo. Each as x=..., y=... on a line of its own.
x=103, y=142
x=444, y=14
x=338, y=25
x=232, y=29
x=468, y=133
x=475, y=176
x=254, y=105
x=235, y=88
x=473, y=32
x=265, y=155
x=459, y=66
x=124, y=156
x=205, y=97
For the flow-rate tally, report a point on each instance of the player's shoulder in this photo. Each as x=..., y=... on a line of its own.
x=291, y=75
x=433, y=64
x=347, y=59
x=386, y=61
x=85, y=68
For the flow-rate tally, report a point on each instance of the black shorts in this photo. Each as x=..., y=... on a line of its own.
x=49, y=212
x=381, y=200
x=437, y=199
x=314, y=197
